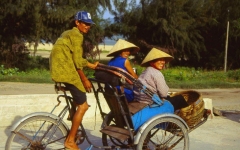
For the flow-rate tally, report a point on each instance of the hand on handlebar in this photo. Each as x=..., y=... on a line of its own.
x=93, y=66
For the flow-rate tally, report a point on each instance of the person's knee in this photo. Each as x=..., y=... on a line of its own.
x=83, y=107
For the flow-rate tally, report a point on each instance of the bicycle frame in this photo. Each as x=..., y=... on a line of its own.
x=69, y=104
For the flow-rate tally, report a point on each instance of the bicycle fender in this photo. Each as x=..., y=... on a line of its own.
x=144, y=126
x=47, y=114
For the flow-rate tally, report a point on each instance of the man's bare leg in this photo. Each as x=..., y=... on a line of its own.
x=72, y=111
x=77, y=119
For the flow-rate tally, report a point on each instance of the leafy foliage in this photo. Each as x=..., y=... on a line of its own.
x=16, y=56
x=193, y=31
x=44, y=20
x=176, y=77
x=234, y=74
x=169, y=25
x=10, y=71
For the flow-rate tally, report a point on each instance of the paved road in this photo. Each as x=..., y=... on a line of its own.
x=219, y=133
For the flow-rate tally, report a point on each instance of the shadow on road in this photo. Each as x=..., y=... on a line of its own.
x=232, y=115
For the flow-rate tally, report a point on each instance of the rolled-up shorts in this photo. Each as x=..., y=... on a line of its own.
x=79, y=97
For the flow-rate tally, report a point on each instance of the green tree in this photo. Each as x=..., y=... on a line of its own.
x=194, y=31
x=214, y=34
x=13, y=24
x=35, y=20
x=171, y=25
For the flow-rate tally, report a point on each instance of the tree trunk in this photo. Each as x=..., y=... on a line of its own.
x=35, y=48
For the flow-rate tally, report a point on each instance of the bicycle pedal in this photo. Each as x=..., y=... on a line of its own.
x=80, y=137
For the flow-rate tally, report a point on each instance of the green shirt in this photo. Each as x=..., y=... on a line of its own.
x=66, y=57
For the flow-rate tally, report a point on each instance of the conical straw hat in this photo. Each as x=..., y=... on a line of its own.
x=155, y=54
x=121, y=45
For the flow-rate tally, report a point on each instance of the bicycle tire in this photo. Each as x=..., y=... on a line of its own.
x=164, y=133
x=38, y=129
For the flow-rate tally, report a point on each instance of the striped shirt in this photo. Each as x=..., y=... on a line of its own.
x=155, y=81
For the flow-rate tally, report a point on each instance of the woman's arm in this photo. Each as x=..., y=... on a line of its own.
x=129, y=68
x=161, y=85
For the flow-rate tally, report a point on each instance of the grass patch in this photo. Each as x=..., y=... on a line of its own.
x=104, y=51
x=32, y=76
x=202, y=84
x=177, y=77
x=189, y=78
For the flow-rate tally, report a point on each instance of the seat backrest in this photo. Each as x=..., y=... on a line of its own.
x=118, y=106
x=115, y=99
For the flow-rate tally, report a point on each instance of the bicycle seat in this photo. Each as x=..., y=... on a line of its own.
x=59, y=87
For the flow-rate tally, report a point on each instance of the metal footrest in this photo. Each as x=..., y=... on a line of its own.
x=117, y=133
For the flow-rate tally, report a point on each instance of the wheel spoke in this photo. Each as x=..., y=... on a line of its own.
x=163, y=134
x=39, y=132
x=23, y=137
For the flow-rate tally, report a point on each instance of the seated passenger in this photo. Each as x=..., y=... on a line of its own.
x=120, y=52
x=153, y=79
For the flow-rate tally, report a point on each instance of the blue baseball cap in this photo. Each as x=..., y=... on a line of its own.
x=84, y=17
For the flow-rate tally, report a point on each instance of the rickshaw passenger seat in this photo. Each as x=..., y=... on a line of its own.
x=136, y=106
x=115, y=108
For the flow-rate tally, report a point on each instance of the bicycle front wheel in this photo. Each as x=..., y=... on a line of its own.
x=37, y=133
x=164, y=134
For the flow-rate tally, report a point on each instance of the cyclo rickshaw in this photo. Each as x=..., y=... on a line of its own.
x=128, y=125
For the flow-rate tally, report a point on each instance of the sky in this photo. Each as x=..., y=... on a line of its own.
x=107, y=15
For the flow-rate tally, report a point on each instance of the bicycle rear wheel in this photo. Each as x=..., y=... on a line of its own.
x=164, y=134
x=37, y=133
